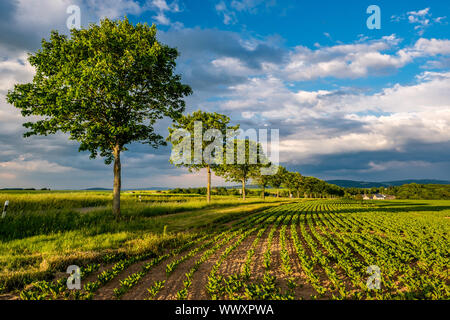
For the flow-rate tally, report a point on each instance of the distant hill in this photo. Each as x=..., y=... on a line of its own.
x=367, y=184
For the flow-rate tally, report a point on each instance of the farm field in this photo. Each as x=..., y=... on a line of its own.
x=273, y=249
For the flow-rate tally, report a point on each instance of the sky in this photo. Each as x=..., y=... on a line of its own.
x=349, y=102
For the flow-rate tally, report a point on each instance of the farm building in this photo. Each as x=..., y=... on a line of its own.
x=378, y=196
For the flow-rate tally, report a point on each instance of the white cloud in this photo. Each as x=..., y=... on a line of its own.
x=359, y=59
x=117, y=8
x=315, y=122
x=326, y=34
x=231, y=66
x=249, y=6
x=420, y=13
x=23, y=164
x=344, y=61
x=430, y=47
x=161, y=6
x=41, y=13
x=14, y=71
x=385, y=133
x=161, y=18
x=421, y=19
x=229, y=17
x=114, y=8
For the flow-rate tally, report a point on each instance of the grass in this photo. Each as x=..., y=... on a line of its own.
x=44, y=232
x=38, y=241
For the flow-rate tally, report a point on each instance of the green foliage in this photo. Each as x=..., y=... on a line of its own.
x=209, y=121
x=155, y=288
x=276, y=180
x=420, y=191
x=407, y=191
x=105, y=85
x=293, y=181
x=249, y=158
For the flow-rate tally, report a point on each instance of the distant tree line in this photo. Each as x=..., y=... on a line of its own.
x=310, y=187
x=284, y=184
x=421, y=191
x=406, y=191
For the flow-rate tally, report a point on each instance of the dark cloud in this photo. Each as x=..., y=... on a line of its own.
x=15, y=35
x=7, y=10
x=198, y=47
x=416, y=161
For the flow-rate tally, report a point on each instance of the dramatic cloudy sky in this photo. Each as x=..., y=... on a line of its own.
x=350, y=103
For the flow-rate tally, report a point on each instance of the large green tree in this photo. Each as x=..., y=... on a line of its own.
x=105, y=86
x=209, y=129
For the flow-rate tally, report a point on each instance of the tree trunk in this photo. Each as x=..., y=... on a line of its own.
x=264, y=192
x=243, y=189
x=208, y=186
x=117, y=182
x=278, y=192
x=298, y=194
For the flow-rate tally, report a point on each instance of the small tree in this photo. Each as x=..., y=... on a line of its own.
x=309, y=185
x=209, y=125
x=276, y=180
x=262, y=180
x=288, y=182
x=249, y=158
x=298, y=183
x=105, y=86
x=293, y=181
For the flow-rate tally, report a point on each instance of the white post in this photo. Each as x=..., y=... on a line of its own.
x=5, y=207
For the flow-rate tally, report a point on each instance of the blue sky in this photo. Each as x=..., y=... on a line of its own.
x=350, y=102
